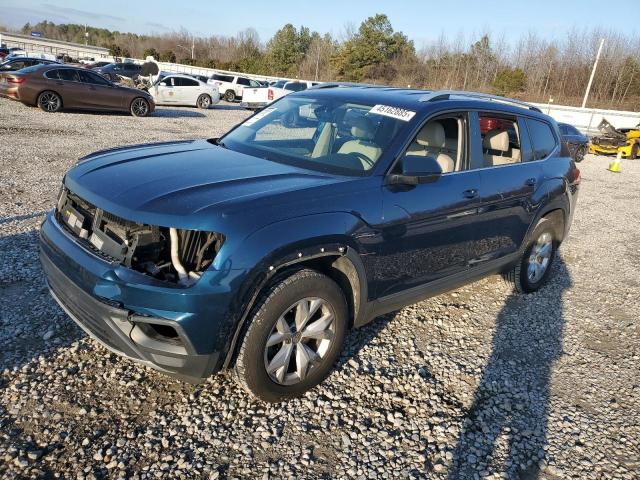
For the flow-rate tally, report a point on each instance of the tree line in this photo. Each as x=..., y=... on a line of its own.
x=531, y=68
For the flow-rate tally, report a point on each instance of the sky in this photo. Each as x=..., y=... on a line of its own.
x=421, y=20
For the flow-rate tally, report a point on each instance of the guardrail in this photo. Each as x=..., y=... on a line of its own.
x=587, y=119
x=56, y=47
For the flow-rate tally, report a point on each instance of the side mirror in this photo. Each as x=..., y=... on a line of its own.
x=416, y=170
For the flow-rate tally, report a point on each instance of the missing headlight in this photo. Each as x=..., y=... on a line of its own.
x=141, y=247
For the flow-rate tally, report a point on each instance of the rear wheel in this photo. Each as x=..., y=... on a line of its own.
x=533, y=269
x=294, y=338
x=49, y=101
x=139, y=107
x=230, y=96
x=204, y=101
x=635, y=151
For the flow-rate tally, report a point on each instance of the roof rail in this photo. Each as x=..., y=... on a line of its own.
x=342, y=84
x=447, y=94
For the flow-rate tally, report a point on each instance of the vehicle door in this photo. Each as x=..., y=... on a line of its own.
x=427, y=228
x=166, y=90
x=187, y=90
x=510, y=176
x=67, y=83
x=101, y=93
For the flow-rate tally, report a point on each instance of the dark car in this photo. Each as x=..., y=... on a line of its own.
x=56, y=86
x=257, y=251
x=18, y=63
x=577, y=142
x=113, y=71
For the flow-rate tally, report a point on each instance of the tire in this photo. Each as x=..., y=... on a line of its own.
x=204, y=101
x=580, y=153
x=230, y=96
x=139, y=107
x=522, y=277
x=292, y=348
x=635, y=151
x=49, y=101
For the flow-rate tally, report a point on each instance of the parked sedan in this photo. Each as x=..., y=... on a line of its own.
x=577, y=142
x=16, y=63
x=113, y=71
x=184, y=90
x=53, y=87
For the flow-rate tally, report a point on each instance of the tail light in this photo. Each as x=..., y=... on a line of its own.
x=577, y=177
x=270, y=94
x=16, y=79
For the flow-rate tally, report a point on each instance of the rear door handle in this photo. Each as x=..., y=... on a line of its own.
x=530, y=182
x=471, y=193
x=59, y=83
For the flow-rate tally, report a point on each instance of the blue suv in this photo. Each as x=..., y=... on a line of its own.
x=258, y=250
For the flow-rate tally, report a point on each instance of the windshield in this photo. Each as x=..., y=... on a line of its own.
x=321, y=134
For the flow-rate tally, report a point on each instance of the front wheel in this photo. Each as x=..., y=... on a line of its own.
x=533, y=269
x=50, y=102
x=580, y=153
x=635, y=151
x=204, y=101
x=139, y=107
x=294, y=338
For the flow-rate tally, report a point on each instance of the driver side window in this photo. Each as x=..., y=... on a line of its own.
x=440, y=138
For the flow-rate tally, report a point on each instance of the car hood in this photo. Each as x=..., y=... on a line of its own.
x=185, y=184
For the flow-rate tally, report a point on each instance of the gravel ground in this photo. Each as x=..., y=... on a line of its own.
x=475, y=383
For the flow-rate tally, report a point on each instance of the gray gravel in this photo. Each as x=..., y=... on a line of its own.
x=477, y=383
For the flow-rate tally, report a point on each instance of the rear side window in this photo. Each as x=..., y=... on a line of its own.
x=53, y=74
x=542, y=138
x=222, y=78
x=296, y=87
x=500, y=139
x=243, y=81
x=69, y=75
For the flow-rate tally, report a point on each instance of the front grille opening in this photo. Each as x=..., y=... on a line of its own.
x=141, y=247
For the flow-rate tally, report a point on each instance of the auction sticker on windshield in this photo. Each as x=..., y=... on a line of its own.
x=259, y=116
x=393, y=112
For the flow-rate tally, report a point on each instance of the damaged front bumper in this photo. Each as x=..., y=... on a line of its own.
x=182, y=332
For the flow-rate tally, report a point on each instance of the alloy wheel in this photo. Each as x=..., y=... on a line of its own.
x=540, y=257
x=50, y=102
x=139, y=107
x=299, y=340
x=204, y=102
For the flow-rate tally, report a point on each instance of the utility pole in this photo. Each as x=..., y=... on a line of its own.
x=86, y=35
x=593, y=74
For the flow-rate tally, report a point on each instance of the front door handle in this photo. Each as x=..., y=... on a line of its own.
x=471, y=193
x=530, y=182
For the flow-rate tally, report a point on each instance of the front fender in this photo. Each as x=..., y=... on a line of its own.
x=284, y=243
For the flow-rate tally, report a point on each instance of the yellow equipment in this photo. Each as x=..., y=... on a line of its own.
x=613, y=141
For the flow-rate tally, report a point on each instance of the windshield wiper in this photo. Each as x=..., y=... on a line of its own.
x=216, y=141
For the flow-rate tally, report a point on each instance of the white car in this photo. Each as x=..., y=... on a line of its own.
x=255, y=98
x=184, y=90
x=232, y=87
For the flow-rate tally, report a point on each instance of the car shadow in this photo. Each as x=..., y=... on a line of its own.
x=19, y=218
x=172, y=112
x=358, y=338
x=505, y=429
x=223, y=106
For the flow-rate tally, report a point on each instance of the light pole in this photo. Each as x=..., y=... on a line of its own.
x=593, y=74
x=193, y=48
